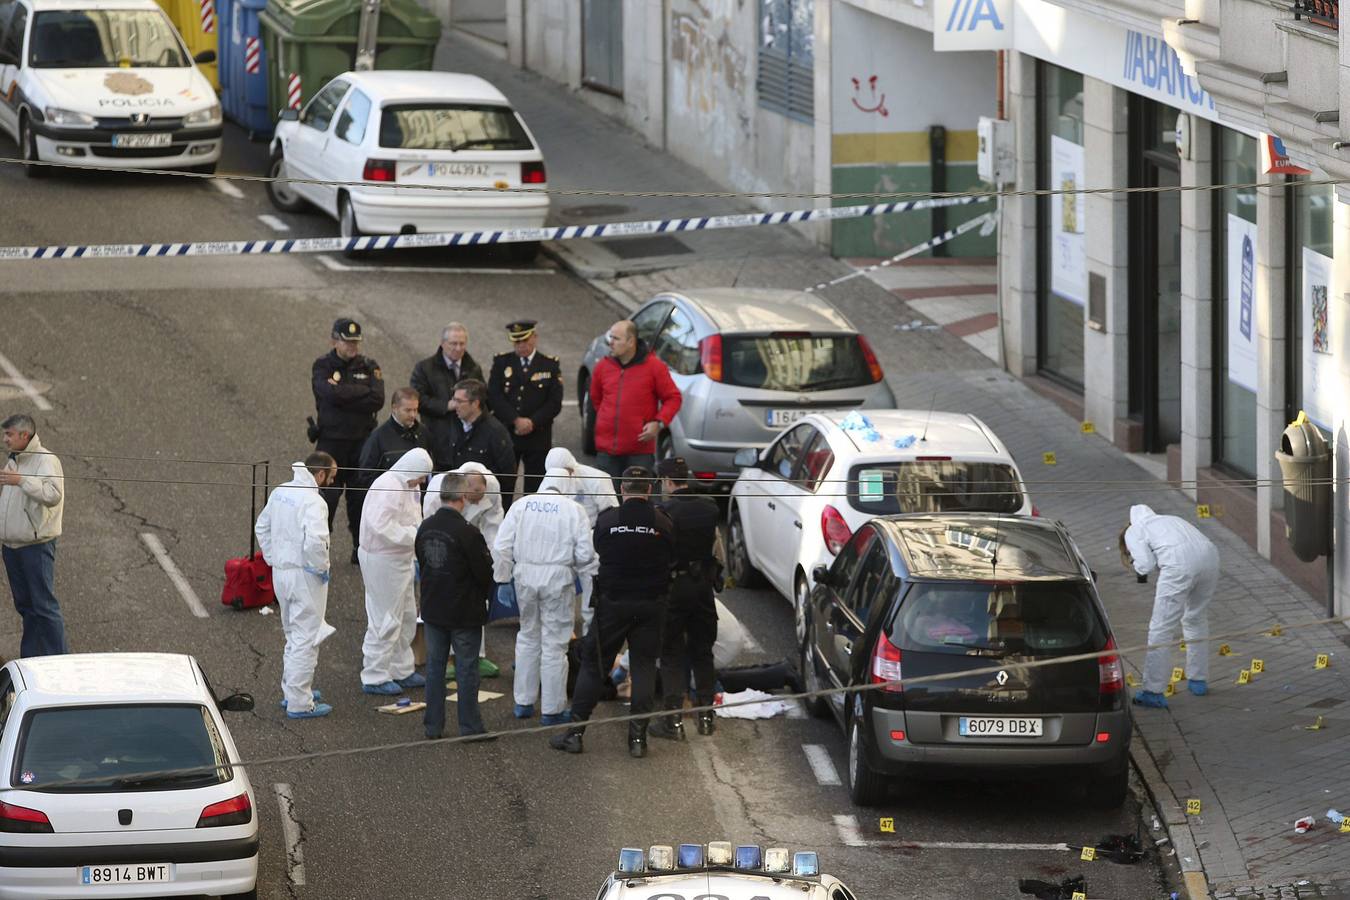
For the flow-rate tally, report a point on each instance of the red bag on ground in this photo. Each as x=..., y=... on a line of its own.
x=248, y=582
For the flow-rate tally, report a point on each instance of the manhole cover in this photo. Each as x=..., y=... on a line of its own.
x=638, y=247
x=11, y=391
x=1326, y=703
x=592, y=213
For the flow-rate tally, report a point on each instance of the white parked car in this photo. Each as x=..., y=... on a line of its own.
x=79, y=817
x=717, y=870
x=104, y=83
x=410, y=136
x=798, y=501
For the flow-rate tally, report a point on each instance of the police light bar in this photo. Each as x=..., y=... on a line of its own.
x=691, y=856
x=749, y=857
x=805, y=862
x=776, y=859
x=661, y=858
x=632, y=861
x=719, y=853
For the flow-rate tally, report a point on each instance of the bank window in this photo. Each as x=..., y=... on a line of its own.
x=786, y=76
x=1310, y=366
x=602, y=45
x=1061, y=220
x=1235, y=327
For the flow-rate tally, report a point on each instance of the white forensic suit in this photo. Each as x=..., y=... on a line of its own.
x=594, y=490
x=390, y=515
x=544, y=544
x=486, y=515
x=1188, y=572
x=293, y=535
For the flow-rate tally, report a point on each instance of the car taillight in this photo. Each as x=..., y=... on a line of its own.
x=235, y=811
x=22, y=820
x=1110, y=673
x=379, y=170
x=834, y=529
x=710, y=356
x=1035, y=511
x=532, y=173
x=705, y=476
x=886, y=665
x=871, y=359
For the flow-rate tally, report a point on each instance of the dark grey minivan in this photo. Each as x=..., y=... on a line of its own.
x=922, y=595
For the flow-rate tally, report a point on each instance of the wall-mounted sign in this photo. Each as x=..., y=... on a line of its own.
x=1275, y=159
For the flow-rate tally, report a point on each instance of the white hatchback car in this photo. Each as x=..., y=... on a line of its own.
x=79, y=816
x=413, y=137
x=798, y=501
x=716, y=870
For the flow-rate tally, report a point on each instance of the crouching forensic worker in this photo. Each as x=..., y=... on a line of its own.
x=1188, y=571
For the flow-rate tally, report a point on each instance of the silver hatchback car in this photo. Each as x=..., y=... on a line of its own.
x=749, y=362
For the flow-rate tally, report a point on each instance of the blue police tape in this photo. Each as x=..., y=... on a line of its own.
x=474, y=238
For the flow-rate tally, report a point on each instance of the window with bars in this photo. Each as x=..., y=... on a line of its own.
x=786, y=80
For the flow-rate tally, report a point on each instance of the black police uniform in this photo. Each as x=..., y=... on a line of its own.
x=386, y=444
x=691, y=614
x=530, y=389
x=636, y=545
x=348, y=394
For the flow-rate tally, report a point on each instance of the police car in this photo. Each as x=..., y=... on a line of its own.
x=717, y=870
x=104, y=83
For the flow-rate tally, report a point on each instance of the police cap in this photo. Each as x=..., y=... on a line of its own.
x=520, y=330
x=347, y=330
x=637, y=480
x=674, y=468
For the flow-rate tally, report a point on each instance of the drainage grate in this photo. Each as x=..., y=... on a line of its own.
x=638, y=247
x=592, y=212
x=1326, y=703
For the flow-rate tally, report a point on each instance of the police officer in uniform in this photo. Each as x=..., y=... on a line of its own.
x=525, y=390
x=636, y=545
x=348, y=394
x=691, y=615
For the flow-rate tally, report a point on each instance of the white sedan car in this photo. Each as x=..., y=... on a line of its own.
x=717, y=870
x=80, y=813
x=411, y=139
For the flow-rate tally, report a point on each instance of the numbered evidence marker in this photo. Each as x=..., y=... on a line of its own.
x=1323, y=661
x=1244, y=677
x=1170, y=690
x=1275, y=632
x=1049, y=458
x=1225, y=650
x=1345, y=825
x=1089, y=428
x=1079, y=895
x=1315, y=726
x=1203, y=511
x=1131, y=680
x=1192, y=807
x=888, y=826
x=1258, y=666
x=1178, y=673
x=1088, y=854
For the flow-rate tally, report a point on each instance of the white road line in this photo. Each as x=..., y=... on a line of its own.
x=851, y=836
x=23, y=383
x=184, y=589
x=290, y=831
x=334, y=265
x=273, y=222
x=569, y=403
x=821, y=764
x=227, y=188
x=750, y=645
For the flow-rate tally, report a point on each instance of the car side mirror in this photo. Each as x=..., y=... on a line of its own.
x=236, y=703
x=1094, y=575
x=290, y=115
x=820, y=575
x=746, y=458
x=206, y=57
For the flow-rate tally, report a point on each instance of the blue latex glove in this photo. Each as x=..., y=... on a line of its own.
x=576, y=583
x=323, y=576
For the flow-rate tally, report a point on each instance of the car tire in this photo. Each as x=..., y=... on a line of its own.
x=866, y=786
x=283, y=196
x=247, y=895
x=801, y=595
x=347, y=225
x=523, y=252
x=587, y=418
x=816, y=707
x=743, y=572
x=28, y=148
x=1110, y=792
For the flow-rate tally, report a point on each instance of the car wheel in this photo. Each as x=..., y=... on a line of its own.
x=1110, y=792
x=28, y=149
x=801, y=595
x=523, y=251
x=743, y=572
x=282, y=194
x=818, y=707
x=587, y=419
x=347, y=226
x=866, y=787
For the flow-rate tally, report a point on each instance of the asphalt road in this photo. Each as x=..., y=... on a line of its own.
x=166, y=377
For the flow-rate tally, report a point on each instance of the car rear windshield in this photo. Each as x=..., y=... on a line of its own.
x=427, y=126
x=794, y=362
x=948, y=485
x=106, y=39
x=1036, y=618
x=111, y=747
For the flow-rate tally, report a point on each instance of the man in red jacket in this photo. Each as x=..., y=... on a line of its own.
x=634, y=398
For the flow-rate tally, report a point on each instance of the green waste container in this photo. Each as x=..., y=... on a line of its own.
x=310, y=42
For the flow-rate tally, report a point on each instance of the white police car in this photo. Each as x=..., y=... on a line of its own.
x=698, y=872
x=104, y=83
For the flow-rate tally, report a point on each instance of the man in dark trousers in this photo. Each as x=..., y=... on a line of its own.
x=526, y=393
x=636, y=545
x=477, y=436
x=348, y=394
x=435, y=378
x=398, y=434
x=691, y=616
x=456, y=577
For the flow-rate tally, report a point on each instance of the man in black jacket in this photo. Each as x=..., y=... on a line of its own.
x=456, y=573
x=636, y=545
x=477, y=436
x=398, y=434
x=526, y=395
x=435, y=378
x=348, y=394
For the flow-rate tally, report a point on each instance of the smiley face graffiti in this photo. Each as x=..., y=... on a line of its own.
x=878, y=101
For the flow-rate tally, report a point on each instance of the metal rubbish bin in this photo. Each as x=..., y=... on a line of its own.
x=243, y=67
x=197, y=22
x=1305, y=464
x=310, y=42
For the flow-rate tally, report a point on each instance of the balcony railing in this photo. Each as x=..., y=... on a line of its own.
x=1326, y=13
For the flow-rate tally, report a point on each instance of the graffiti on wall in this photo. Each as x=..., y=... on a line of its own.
x=869, y=101
x=711, y=75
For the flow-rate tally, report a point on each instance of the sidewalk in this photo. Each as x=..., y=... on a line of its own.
x=1244, y=751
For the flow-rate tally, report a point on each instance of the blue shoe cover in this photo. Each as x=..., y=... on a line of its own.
x=415, y=680
x=1198, y=688
x=318, y=712
x=389, y=688
x=524, y=711
x=317, y=697
x=1150, y=698
x=561, y=718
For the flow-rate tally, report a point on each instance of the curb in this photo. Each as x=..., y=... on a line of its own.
x=601, y=280
x=1172, y=815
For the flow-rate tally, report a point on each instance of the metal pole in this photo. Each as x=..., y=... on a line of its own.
x=367, y=35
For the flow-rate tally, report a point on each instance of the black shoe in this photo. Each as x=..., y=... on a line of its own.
x=435, y=737
x=670, y=728
x=568, y=742
x=481, y=737
x=356, y=560
x=707, y=722
x=637, y=740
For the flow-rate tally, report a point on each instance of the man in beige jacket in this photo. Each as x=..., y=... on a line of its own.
x=32, y=496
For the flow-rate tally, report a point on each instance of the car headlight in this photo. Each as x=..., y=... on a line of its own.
x=57, y=116
x=208, y=116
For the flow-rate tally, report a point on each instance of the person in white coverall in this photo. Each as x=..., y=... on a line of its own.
x=1188, y=571
x=293, y=536
x=594, y=490
x=390, y=516
x=544, y=544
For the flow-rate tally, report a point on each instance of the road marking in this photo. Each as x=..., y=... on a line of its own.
x=273, y=222
x=290, y=831
x=821, y=764
x=23, y=384
x=569, y=403
x=851, y=836
x=184, y=589
x=227, y=188
x=335, y=266
x=796, y=710
x=751, y=645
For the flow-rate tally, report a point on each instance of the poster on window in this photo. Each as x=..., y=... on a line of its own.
x=1320, y=388
x=1241, y=283
x=1068, y=248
